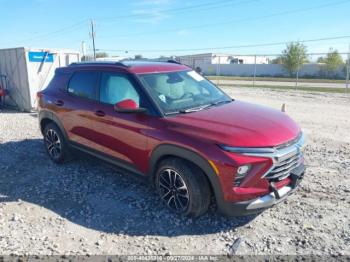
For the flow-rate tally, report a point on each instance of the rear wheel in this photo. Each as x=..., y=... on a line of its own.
x=183, y=187
x=55, y=144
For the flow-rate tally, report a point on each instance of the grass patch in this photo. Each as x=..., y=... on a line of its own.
x=308, y=89
x=276, y=79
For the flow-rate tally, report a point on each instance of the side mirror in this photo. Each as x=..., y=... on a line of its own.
x=128, y=106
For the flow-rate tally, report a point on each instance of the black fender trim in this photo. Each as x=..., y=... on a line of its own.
x=191, y=156
x=45, y=114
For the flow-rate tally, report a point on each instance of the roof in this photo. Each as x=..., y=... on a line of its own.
x=137, y=67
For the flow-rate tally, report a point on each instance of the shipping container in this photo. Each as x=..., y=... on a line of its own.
x=29, y=70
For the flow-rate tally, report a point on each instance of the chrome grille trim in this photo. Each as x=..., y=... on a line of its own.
x=282, y=174
x=284, y=159
x=284, y=167
x=288, y=161
x=289, y=143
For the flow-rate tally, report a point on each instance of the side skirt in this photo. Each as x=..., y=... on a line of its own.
x=111, y=160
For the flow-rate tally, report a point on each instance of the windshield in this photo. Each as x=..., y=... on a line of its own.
x=182, y=91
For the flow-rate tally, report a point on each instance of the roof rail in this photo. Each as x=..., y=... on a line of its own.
x=98, y=63
x=173, y=61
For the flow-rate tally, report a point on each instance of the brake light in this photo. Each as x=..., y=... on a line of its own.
x=2, y=91
x=39, y=95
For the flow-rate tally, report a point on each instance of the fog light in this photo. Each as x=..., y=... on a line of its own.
x=243, y=170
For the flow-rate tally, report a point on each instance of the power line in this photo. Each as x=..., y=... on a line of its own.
x=93, y=38
x=73, y=27
x=234, y=20
x=256, y=54
x=212, y=4
x=228, y=47
x=173, y=10
x=77, y=25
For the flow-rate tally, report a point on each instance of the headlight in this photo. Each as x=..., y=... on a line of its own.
x=248, y=150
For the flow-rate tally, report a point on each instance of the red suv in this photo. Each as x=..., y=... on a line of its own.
x=167, y=122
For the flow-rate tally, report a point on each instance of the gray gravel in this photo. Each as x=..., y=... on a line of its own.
x=89, y=207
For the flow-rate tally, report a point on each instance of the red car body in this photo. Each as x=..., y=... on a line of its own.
x=214, y=139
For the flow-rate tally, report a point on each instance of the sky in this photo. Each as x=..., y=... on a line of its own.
x=175, y=27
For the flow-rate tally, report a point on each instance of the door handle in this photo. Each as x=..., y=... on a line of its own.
x=59, y=103
x=100, y=113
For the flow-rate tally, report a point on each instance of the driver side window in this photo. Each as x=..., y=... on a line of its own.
x=117, y=87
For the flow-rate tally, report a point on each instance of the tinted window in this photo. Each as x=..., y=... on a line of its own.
x=117, y=87
x=83, y=84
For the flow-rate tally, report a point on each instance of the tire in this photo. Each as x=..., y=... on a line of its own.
x=190, y=194
x=55, y=144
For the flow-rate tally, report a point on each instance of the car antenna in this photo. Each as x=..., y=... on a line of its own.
x=283, y=109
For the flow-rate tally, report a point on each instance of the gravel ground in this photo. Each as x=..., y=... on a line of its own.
x=319, y=84
x=89, y=207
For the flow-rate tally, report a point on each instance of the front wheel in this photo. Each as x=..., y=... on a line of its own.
x=183, y=187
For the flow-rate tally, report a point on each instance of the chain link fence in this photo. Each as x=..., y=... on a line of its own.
x=269, y=70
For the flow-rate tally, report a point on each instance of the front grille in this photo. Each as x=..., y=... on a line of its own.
x=284, y=165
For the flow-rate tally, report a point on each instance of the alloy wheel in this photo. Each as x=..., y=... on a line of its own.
x=53, y=143
x=173, y=190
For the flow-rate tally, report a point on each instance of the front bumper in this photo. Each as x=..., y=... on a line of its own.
x=257, y=205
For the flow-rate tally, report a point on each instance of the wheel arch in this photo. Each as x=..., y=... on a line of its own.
x=46, y=117
x=167, y=150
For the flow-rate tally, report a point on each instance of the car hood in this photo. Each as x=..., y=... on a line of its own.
x=237, y=124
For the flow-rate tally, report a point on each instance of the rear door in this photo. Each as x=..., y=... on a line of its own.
x=77, y=106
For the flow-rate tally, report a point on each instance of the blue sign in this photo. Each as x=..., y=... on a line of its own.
x=40, y=57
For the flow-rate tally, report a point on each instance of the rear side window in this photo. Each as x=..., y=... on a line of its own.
x=83, y=84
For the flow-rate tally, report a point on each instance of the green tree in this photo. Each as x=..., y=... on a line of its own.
x=277, y=60
x=101, y=55
x=321, y=59
x=293, y=57
x=87, y=58
x=333, y=61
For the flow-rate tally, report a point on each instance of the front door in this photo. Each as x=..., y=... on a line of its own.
x=121, y=135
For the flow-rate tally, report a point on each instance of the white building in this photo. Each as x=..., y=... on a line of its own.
x=112, y=58
x=217, y=58
x=29, y=70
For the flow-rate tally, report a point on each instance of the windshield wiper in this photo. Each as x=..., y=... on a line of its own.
x=221, y=102
x=194, y=109
x=199, y=108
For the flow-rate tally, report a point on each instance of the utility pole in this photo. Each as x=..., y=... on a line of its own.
x=83, y=50
x=219, y=70
x=347, y=71
x=254, y=77
x=93, y=38
x=297, y=76
x=215, y=61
